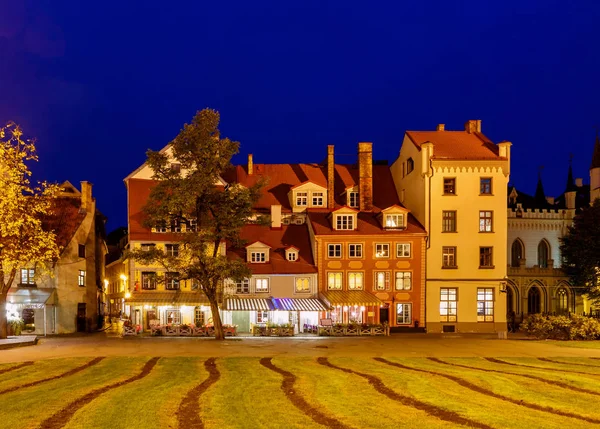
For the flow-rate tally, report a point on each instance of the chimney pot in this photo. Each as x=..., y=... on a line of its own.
x=579, y=182
x=86, y=195
x=330, y=177
x=275, y=216
x=441, y=127
x=473, y=125
x=250, y=165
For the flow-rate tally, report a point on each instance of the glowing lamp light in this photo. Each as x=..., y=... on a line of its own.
x=127, y=295
x=123, y=277
x=345, y=308
x=362, y=308
x=105, y=284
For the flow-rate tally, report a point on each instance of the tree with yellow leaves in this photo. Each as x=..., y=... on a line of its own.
x=23, y=241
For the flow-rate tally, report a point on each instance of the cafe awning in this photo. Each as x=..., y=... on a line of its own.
x=299, y=304
x=353, y=297
x=248, y=304
x=167, y=298
x=31, y=296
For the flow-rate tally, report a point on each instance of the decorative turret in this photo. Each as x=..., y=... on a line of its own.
x=540, y=196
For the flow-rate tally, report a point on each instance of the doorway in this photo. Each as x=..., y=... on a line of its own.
x=533, y=301
x=384, y=315
x=81, y=317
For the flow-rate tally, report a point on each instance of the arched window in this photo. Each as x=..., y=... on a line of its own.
x=562, y=301
x=543, y=254
x=516, y=253
x=533, y=300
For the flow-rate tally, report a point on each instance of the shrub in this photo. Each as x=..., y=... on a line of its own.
x=562, y=327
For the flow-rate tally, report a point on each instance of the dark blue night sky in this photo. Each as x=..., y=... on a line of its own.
x=98, y=83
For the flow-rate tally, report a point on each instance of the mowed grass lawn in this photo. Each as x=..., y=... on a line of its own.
x=285, y=392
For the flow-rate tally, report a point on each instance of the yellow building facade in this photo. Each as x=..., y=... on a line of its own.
x=455, y=184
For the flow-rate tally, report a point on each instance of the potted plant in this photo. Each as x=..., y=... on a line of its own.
x=185, y=330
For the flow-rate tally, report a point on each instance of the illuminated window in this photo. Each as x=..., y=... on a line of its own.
x=382, y=280
x=334, y=281
x=403, y=280
x=334, y=250
x=353, y=199
x=198, y=316
x=448, y=304
x=355, y=281
x=27, y=275
x=485, y=220
x=382, y=250
x=355, y=250
x=485, y=304
x=403, y=313
x=172, y=281
x=394, y=221
x=262, y=285
x=562, y=301
x=258, y=257
x=302, y=284
x=262, y=317
x=403, y=250
x=173, y=316
x=344, y=222
x=81, y=278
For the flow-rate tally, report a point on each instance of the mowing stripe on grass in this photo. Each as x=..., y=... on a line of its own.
x=187, y=414
x=432, y=410
x=569, y=363
x=64, y=374
x=61, y=418
x=488, y=392
x=503, y=362
x=12, y=368
x=287, y=385
x=532, y=377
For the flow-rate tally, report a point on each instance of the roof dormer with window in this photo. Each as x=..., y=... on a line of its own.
x=394, y=217
x=308, y=195
x=344, y=219
x=352, y=197
x=257, y=253
x=291, y=253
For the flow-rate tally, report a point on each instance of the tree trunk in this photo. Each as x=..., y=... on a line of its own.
x=3, y=322
x=216, y=316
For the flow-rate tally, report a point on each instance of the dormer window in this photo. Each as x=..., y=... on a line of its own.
x=301, y=198
x=344, y=222
x=258, y=257
x=352, y=199
x=317, y=199
x=394, y=221
x=291, y=254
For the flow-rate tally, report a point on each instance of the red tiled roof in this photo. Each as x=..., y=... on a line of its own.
x=281, y=178
x=368, y=224
x=64, y=219
x=278, y=240
x=456, y=144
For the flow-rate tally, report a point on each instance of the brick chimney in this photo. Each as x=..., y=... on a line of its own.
x=330, y=177
x=275, y=216
x=441, y=127
x=365, y=175
x=250, y=165
x=473, y=125
x=86, y=196
x=579, y=182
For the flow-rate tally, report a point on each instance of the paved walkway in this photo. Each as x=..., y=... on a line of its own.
x=396, y=345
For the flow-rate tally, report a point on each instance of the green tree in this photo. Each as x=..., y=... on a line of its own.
x=23, y=241
x=580, y=249
x=195, y=191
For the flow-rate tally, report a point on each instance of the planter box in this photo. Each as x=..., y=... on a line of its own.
x=156, y=330
x=185, y=331
x=378, y=330
x=286, y=332
x=338, y=331
x=170, y=330
x=230, y=331
x=129, y=330
x=198, y=331
x=260, y=331
x=352, y=330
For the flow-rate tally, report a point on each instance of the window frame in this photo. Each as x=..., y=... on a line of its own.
x=449, y=186
x=315, y=196
x=483, y=257
x=152, y=280
x=451, y=309
x=29, y=277
x=353, y=200
x=406, y=275
x=172, y=249
x=485, y=307
x=262, y=317
x=176, y=316
x=358, y=248
x=336, y=275
x=401, y=253
x=292, y=256
x=387, y=278
x=303, y=290
x=172, y=281
x=483, y=187
x=353, y=279
x=81, y=278
x=301, y=198
x=449, y=220
x=262, y=280
x=405, y=305
x=336, y=247
x=446, y=255
x=81, y=250
x=242, y=287
x=399, y=220
x=387, y=253
x=339, y=222
x=258, y=257
x=486, y=221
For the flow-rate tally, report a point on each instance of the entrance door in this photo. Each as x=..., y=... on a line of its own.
x=533, y=300
x=81, y=316
x=384, y=315
x=242, y=319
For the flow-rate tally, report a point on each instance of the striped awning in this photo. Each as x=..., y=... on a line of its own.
x=167, y=298
x=354, y=297
x=299, y=304
x=248, y=304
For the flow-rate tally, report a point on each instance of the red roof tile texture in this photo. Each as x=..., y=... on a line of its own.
x=278, y=240
x=368, y=224
x=456, y=144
